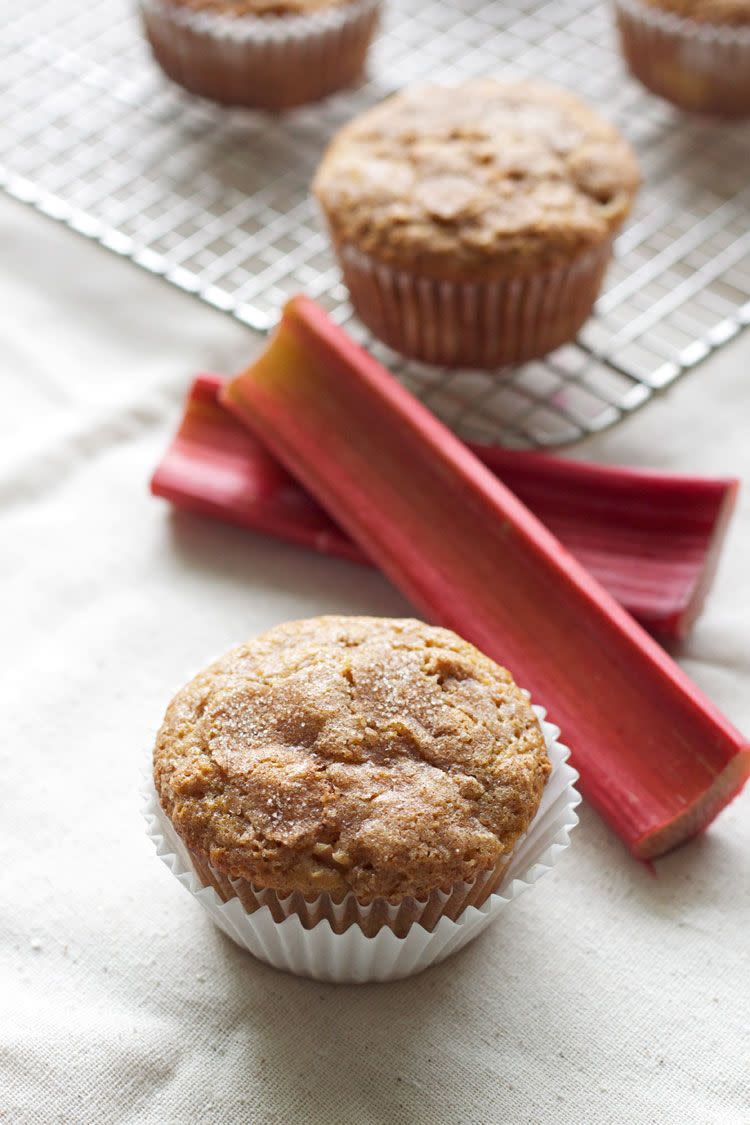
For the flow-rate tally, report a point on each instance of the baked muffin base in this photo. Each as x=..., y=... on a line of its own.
x=482, y=324
x=700, y=67
x=261, y=62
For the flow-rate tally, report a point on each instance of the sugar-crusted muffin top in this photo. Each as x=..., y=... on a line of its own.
x=258, y=7
x=731, y=13
x=380, y=756
x=483, y=179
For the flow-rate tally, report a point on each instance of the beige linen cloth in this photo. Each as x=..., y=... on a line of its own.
x=607, y=994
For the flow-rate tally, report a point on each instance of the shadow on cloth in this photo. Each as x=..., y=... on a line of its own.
x=241, y=557
x=376, y=1052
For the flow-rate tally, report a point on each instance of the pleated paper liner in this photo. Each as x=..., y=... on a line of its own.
x=264, y=62
x=481, y=324
x=696, y=65
x=300, y=936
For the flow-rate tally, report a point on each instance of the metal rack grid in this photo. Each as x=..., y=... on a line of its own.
x=217, y=201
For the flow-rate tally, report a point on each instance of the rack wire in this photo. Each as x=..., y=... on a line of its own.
x=217, y=200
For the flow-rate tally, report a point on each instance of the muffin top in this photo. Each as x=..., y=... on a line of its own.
x=475, y=181
x=237, y=8
x=732, y=13
x=380, y=756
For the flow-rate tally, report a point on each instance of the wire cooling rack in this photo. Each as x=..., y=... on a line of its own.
x=217, y=201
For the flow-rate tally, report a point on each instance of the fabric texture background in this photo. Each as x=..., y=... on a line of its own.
x=607, y=994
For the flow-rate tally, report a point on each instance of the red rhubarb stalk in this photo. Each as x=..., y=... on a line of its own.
x=652, y=539
x=655, y=756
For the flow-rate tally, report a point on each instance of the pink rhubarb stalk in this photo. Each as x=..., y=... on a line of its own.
x=652, y=539
x=655, y=756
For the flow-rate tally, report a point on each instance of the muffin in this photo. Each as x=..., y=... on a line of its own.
x=473, y=224
x=694, y=53
x=371, y=773
x=268, y=54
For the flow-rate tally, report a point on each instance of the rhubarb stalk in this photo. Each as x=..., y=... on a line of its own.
x=652, y=539
x=655, y=756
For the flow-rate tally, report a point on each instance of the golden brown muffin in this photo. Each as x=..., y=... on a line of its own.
x=474, y=223
x=694, y=53
x=378, y=756
x=265, y=54
x=489, y=179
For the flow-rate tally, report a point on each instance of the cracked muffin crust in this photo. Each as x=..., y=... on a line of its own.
x=379, y=756
x=486, y=179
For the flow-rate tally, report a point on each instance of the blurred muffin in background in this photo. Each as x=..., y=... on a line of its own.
x=265, y=54
x=474, y=223
x=694, y=53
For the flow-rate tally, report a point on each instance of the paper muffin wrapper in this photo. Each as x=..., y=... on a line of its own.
x=272, y=62
x=345, y=912
x=481, y=324
x=695, y=65
x=306, y=943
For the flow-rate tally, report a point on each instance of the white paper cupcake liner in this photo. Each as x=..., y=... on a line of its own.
x=352, y=957
x=697, y=66
x=398, y=917
x=482, y=324
x=270, y=62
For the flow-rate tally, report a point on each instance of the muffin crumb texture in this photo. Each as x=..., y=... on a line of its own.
x=379, y=756
x=484, y=179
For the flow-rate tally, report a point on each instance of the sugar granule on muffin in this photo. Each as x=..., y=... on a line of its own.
x=473, y=223
x=385, y=758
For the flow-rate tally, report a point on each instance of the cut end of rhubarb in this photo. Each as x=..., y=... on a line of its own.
x=693, y=605
x=724, y=789
x=214, y=467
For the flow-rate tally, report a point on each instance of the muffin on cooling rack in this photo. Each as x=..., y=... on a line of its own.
x=368, y=772
x=268, y=54
x=473, y=224
x=694, y=53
